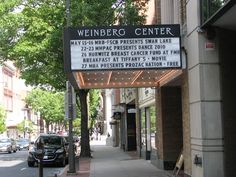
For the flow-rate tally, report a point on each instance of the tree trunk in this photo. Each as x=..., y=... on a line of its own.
x=47, y=127
x=85, y=146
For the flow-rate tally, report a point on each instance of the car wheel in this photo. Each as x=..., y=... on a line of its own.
x=14, y=151
x=30, y=164
x=63, y=162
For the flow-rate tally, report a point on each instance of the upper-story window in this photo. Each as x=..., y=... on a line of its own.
x=210, y=7
x=7, y=78
x=8, y=88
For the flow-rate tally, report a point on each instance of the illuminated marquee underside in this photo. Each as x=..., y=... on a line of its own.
x=122, y=79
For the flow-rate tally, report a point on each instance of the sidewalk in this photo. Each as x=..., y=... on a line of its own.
x=110, y=161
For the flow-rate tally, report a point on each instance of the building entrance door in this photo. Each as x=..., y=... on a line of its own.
x=131, y=132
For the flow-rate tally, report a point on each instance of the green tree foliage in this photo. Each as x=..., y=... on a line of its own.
x=9, y=23
x=76, y=126
x=49, y=104
x=25, y=126
x=32, y=38
x=131, y=12
x=94, y=105
x=31, y=32
x=92, y=12
x=2, y=120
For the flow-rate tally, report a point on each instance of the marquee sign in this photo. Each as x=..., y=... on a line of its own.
x=123, y=47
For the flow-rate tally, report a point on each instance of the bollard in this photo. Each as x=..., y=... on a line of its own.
x=40, y=168
x=40, y=154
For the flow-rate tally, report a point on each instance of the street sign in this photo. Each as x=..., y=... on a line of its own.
x=70, y=102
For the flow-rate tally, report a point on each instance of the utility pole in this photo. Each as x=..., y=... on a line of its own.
x=70, y=94
x=68, y=13
x=71, y=115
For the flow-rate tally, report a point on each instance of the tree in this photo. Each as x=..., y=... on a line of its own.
x=32, y=37
x=2, y=120
x=131, y=12
x=85, y=147
x=93, y=102
x=31, y=32
x=25, y=126
x=8, y=27
x=94, y=106
x=49, y=104
x=77, y=126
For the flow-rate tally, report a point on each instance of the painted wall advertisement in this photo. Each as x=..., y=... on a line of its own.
x=124, y=47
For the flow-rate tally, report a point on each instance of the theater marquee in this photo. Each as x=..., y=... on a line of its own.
x=123, y=47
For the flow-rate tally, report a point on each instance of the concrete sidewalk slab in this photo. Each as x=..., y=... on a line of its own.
x=111, y=161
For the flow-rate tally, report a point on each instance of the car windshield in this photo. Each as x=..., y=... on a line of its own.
x=23, y=141
x=51, y=140
x=4, y=140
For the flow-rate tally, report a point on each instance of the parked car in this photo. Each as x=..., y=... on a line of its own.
x=7, y=145
x=55, y=150
x=22, y=144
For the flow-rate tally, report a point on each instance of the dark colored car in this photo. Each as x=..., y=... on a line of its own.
x=55, y=150
x=7, y=145
x=22, y=144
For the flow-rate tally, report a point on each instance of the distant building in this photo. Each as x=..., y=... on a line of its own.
x=12, y=97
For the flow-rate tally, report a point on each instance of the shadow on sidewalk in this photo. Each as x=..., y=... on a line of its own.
x=82, y=166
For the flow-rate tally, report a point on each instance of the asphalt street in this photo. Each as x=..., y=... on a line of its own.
x=15, y=165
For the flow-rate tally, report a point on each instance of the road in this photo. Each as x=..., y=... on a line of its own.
x=15, y=164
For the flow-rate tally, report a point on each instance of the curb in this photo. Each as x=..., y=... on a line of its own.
x=82, y=166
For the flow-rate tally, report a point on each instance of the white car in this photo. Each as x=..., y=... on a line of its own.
x=7, y=145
